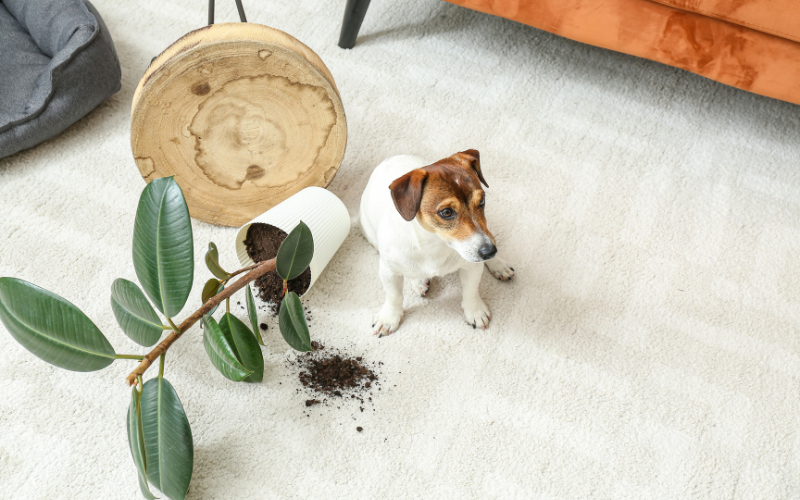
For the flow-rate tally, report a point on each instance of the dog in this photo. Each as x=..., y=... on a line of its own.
x=427, y=220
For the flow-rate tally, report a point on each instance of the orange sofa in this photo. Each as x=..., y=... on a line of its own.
x=750, y=44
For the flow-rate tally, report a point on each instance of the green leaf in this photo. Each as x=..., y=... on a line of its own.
x=292, y=323
x=295, y=252
x=163, y=251
x=169, y=450
x=220, y=350
x=219, y=290
x=251, y=313
x=244, y=346
x=212, y=262
x=210, y=289
x=134, y=313
x=136, y=442
x=52, y=328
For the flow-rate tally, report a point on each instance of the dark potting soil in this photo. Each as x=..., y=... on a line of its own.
x=330, y=374
x=262, y=243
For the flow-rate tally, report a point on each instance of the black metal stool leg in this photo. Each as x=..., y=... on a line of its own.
x=354, y=14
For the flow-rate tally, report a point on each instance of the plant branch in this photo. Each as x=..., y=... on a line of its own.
x=240, y=271
x=256, y=272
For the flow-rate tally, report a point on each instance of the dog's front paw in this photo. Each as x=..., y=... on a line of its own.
x=387, y=321
x=477, y=314
x=500, y=269
x=421, y=286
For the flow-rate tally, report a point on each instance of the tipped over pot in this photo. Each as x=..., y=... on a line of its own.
x=324, y=214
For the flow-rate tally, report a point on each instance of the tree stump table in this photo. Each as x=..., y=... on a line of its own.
x=242, y=115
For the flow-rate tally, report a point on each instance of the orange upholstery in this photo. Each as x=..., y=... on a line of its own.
x=776, y=17
x=734, y=54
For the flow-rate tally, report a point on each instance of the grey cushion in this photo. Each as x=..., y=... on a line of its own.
x=57, y=63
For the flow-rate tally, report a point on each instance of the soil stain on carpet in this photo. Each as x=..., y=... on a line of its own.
x=330, y=374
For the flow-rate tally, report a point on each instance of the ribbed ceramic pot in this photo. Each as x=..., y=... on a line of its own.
x=324, y=214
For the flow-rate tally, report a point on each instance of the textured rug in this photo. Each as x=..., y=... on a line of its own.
x=648, y=347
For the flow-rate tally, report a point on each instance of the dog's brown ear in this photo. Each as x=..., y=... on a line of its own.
x=473, y=157
x=407, y=193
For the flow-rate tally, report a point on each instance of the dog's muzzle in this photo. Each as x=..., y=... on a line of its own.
x=487, y=251
x=476, y=249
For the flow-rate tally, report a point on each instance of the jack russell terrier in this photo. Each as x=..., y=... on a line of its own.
x=427, y=220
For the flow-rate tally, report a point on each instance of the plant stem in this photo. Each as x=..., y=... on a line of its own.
x=228, y=306
x=240, y=271
x=174, y=328
x=129, y=356
x=141, y=384
x=256, y=272
x=161, y=365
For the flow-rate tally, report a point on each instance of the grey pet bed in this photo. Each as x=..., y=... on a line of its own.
x=57, y=63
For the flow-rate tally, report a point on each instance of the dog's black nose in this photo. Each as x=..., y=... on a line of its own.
x=487, y=251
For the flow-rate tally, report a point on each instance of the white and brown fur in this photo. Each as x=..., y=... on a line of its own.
x=402, y=214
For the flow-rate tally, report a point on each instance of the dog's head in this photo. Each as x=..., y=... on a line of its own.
x=447, y=199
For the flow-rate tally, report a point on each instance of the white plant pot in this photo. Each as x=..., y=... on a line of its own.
x=324, y=214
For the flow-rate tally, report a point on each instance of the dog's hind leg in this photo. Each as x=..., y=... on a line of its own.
x=499, y=269
x=421, y=286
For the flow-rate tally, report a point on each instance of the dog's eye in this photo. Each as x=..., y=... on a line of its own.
x=447, y=213
x=483, y=200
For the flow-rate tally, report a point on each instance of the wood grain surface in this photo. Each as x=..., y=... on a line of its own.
x=242, y=115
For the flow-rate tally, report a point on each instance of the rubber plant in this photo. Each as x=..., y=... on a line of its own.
x=56, y=331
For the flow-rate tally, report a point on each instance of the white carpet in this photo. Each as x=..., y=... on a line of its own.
x=649, y=346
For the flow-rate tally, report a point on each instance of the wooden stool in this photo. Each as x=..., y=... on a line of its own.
x=242, y=115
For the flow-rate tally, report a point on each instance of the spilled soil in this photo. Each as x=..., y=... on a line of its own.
x=329, y=375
